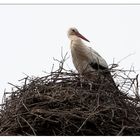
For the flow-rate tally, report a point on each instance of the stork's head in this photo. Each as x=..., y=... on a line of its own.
x=73, y=32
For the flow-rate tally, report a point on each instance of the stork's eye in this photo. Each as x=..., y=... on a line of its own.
x=73, y=30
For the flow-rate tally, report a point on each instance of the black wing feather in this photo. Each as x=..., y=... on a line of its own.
x=97, y=66
x=105, y=71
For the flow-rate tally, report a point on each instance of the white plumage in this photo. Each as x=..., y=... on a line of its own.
x=85, y=59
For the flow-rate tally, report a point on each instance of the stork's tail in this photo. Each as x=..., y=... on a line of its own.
x=109, y=77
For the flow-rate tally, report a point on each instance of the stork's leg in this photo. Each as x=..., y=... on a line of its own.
x=81, y=81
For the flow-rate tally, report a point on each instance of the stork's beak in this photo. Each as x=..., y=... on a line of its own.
x=81, y=36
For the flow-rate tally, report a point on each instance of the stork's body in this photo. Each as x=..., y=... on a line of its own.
x=85, y=59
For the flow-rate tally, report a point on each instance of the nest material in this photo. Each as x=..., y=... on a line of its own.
x=61, y=104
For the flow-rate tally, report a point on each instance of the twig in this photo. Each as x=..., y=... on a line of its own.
x=14, y=86
x=83, y=123
x=29, y=125
x=120, y=132
x=125, y=57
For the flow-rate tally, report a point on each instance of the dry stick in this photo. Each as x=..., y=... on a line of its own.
x=137, y=114
x=25, y=82
x=127, y=78
x=14, y=86
x=131, y=85
x=125, y=57
x=3, y=99
x=61, y=63
x=88, y=118
x=83, y=123
x=29, y=125
x=24, y=105
x=137, y=87
x=5, y=132
x=121, y=130
x=18, y=121
x=46, y=119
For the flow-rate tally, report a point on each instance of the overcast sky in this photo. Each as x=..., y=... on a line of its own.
x=31, y=35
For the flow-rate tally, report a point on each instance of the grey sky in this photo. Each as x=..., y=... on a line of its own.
x=31, y=35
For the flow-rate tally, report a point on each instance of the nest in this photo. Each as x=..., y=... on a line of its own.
x=63, y=104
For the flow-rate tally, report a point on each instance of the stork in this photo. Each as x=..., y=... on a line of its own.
x=85, y=59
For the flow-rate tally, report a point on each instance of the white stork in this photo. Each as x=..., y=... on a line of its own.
x=85, y=59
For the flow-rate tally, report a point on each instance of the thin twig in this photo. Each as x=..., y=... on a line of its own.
x=29, y=125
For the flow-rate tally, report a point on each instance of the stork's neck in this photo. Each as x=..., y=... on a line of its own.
x=76, y=40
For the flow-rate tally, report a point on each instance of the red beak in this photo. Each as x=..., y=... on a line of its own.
x=81, y=36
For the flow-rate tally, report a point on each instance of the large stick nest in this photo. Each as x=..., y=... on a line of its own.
x=63, y=104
